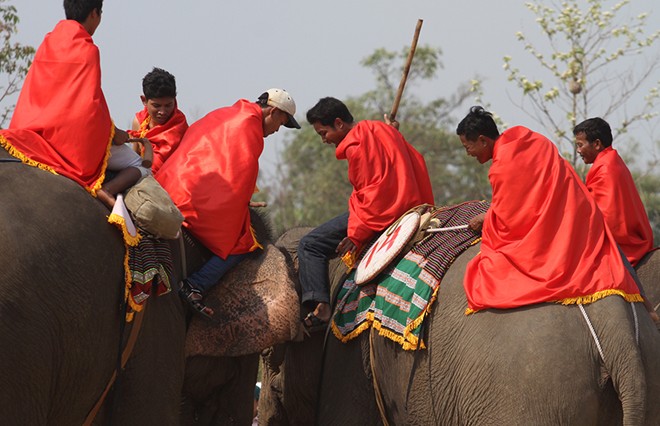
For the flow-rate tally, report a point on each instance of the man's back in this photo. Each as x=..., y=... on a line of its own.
x=610, y=183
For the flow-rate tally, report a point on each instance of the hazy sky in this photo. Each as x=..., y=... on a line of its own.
x=221, y=51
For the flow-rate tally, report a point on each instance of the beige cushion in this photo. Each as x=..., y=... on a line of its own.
x=153, y=209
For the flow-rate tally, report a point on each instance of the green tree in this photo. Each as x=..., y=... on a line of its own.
x=15, y=59
x=594, y=64
x=312, y=185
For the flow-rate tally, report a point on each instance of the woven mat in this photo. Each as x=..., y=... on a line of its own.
x=397, y=301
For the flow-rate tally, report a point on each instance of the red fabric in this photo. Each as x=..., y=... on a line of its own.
x=388, y=175
x=212, y=175
x=164, y=138
x=544, y=239
x=613, y=188
x=61, y=120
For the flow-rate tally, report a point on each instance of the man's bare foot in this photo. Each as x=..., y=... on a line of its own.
x=106, y=198
x=323, y=312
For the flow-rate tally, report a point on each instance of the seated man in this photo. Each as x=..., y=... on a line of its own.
x=61, y=122
x=161, y=121
x=610, y=183
x=211, y=177
x=543, y=237
x=389, y=177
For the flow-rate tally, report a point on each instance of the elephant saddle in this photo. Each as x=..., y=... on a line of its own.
x=397, y=301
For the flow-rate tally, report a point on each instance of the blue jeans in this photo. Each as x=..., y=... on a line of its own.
x=314, y=252
x=214, y=269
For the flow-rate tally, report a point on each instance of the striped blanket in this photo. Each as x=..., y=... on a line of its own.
x=397, y=301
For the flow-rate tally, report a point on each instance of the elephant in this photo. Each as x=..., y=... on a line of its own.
x=62, y=288
x=536, y=365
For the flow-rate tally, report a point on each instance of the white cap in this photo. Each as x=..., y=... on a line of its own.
x=281, y=99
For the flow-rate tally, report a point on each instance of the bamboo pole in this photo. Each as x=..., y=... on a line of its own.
x=406, y=70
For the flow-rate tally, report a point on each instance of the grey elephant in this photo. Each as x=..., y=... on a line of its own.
x=534, y=365
x=61, y=291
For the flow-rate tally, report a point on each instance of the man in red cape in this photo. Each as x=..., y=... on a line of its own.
x=389, y=177
x=161, y=121
x=211, y=177
x=61, y=122
x=610, y=183
x=544, y=238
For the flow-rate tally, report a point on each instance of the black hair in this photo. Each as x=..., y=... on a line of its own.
x=595, y=128
x=262, y=100
x=477, y=122
x=327, y=110
x=159, y=84
x=79, y=10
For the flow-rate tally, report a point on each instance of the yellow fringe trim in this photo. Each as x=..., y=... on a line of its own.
x=144, y=126
x=585, y=300
x=349, y=260
x=14, y=152
x=131, y=240
x=97, y=185
x=127, y=288
x=256, y=244
x=599, y=295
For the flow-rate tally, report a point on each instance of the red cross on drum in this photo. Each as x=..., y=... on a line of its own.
x=387, y=247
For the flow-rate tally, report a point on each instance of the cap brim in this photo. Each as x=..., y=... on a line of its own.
x=292, y=123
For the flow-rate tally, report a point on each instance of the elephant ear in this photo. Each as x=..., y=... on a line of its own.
x=256, y=306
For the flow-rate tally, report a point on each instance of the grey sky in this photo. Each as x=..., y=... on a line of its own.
x=221, y=51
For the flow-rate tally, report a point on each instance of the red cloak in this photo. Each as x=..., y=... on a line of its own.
x=61, y=122
x=610, y=183
x=388, y=175
x=164, y=138
x=212, y=175
x=544, y=239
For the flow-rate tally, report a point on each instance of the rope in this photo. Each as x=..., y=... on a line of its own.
x=593, y=332
x=632, y=306
x=132, y=338
x=377, y=393
x=10, y=160
x=182, y=249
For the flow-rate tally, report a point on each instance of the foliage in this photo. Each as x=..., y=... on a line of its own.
x=15, y=59
x=596, y=62
x=312, y=185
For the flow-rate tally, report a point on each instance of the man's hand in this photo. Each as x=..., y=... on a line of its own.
x=257, y=204
x=477, y=222
x=392, y=123
x=346, y=245
x=120, y=138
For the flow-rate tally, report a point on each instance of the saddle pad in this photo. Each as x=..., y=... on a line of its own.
x=256, y=306
x=397, y=301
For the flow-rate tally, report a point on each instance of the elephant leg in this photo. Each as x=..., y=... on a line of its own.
x=220, y=389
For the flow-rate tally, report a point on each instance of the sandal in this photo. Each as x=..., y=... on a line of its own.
x=312, y=324
x=194, y=298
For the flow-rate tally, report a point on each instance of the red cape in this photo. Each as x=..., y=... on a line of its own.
x=164, y=138
x=613, y=188
x=544, y=239
x=61, y=122
x=388, y=175
x=212, y=175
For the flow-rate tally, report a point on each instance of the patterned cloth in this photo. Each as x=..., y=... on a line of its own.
x=397, y=301
x=151, y=269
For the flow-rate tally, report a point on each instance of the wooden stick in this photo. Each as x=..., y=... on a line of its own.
x=406, y=70
x=449, y=228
